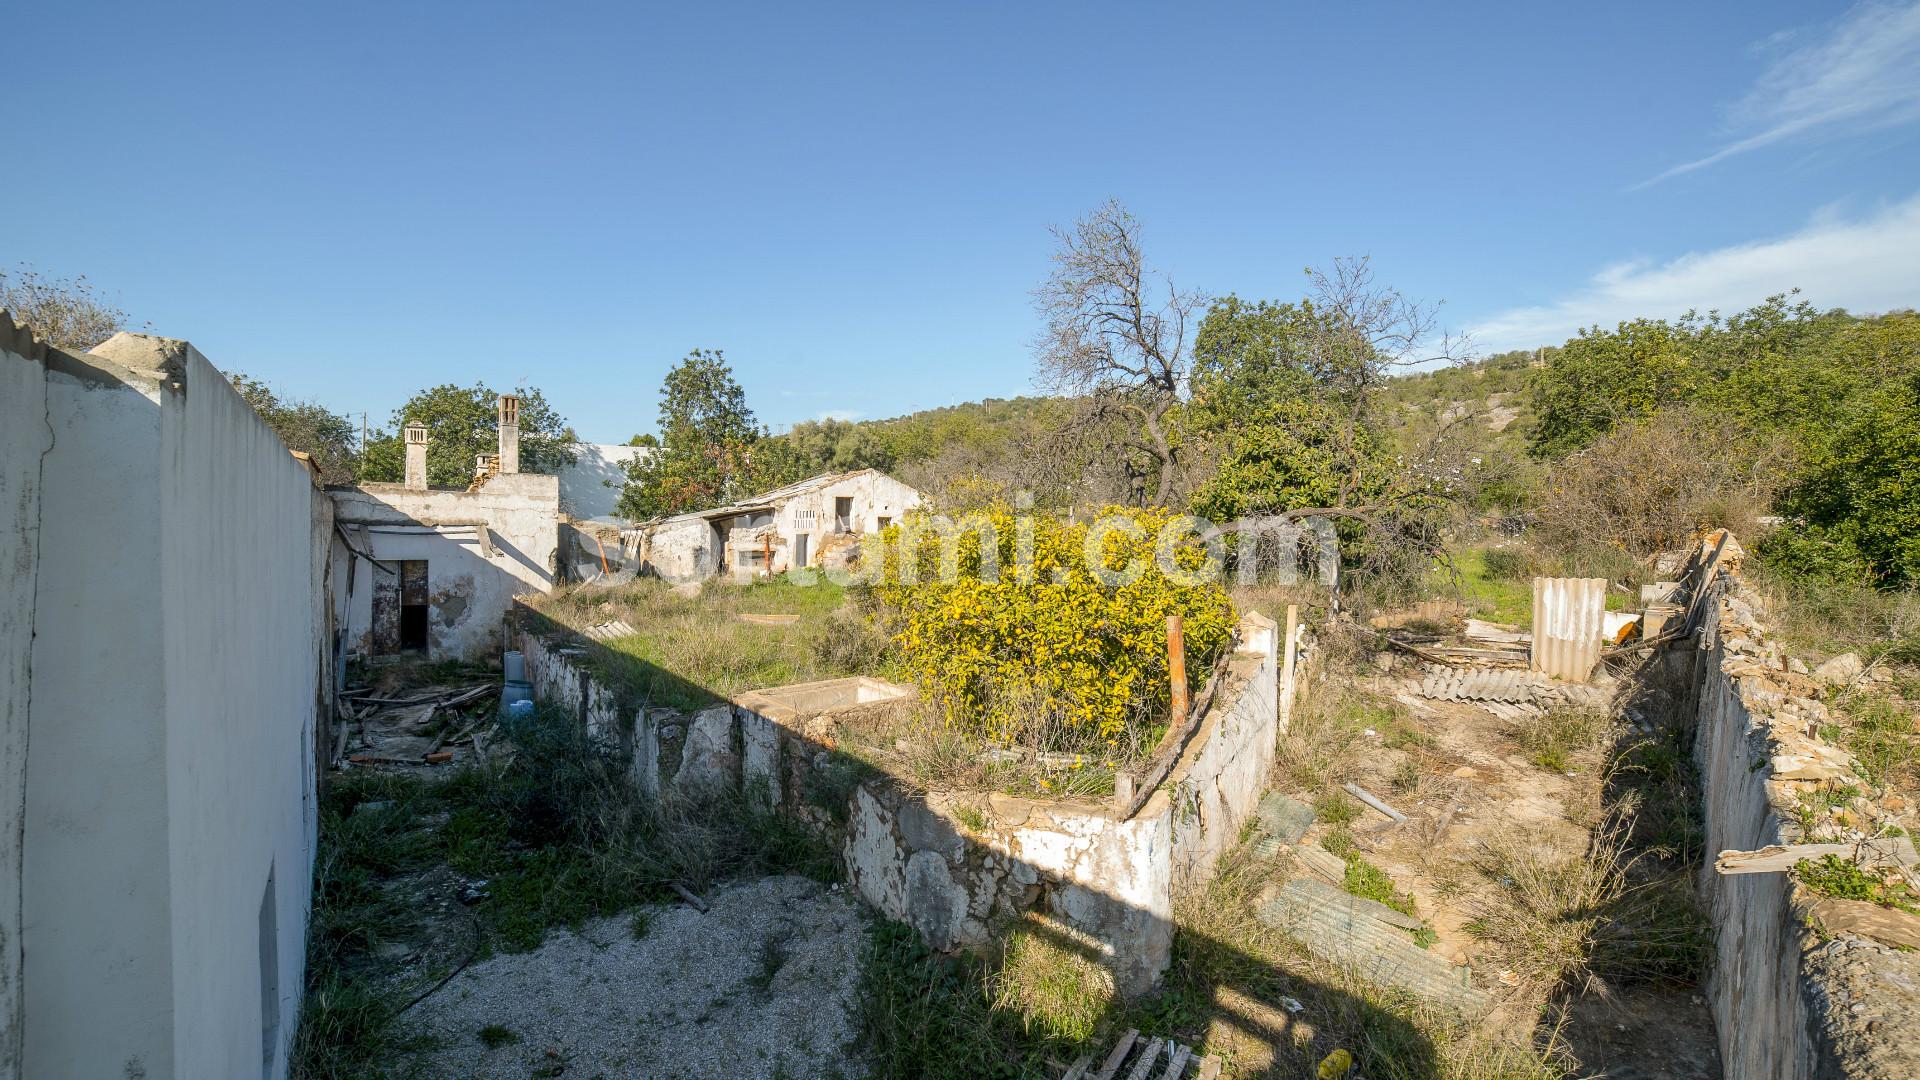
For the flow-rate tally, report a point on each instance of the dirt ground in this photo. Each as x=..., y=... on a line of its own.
x=763, y=985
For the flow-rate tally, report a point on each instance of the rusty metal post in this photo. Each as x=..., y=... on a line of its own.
x=1177, y=667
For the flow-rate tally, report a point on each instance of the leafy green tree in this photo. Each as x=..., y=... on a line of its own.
x=1860, y=488
x=325, y=436
x=645, y=438
x=463, y=422
x=712, y=450
x=821, y=446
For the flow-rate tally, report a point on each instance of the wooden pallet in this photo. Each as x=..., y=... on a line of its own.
x=1135, y=1058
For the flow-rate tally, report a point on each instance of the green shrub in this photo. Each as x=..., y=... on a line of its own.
x=1049, y=653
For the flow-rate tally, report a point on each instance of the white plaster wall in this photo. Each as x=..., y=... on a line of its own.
x=98, y=900
x=590, y=487
x=242, y=642
x=24, y=437
x=177, y=666
x=521, y=513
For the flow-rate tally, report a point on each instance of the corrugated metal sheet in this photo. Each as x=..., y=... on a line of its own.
x=1568, y=621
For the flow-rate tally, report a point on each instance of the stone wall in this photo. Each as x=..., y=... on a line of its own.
x=1779, y=1012
x=176, y=677
x=953, y=866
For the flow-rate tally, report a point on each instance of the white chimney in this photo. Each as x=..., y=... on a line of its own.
x=416, y=456
x=509, y=434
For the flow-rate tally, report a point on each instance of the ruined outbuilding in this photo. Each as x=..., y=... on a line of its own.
x=816, y=522
x=431, y=571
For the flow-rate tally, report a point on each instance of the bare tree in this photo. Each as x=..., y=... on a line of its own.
x=1117, y=332
x=65, y=312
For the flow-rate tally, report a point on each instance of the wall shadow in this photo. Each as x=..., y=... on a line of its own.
x=932, y=1013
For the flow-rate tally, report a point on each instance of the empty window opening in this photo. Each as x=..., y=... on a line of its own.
x=750, y=557
x=883, y=522
x=843, y=515
x=413, y=605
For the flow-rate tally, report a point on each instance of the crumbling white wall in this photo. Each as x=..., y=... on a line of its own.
x=24, y=437
x=876, y=497
x=177, y=662
x=470, y=588
x=590, y=487
x=1112, y=880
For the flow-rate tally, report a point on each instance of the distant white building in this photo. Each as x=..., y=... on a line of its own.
x=800, y=525
x=432, y=571
x=590, y=487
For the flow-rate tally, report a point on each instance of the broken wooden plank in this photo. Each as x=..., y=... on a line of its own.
x=1118, y=1055
x=1078, y=1070
x=692, y=898
x=1374, y=801
x=1778, y=858
x=1148, y=1055
x=1178, y=1064
x=1209, y=1068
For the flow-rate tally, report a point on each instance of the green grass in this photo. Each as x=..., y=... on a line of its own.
x=1844, y=879
x=693, y=650
x=1880, y=733
x=1369, y=882
x=1490, y=592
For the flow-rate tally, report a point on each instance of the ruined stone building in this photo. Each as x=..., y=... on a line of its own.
x=814, y=522
x=431, y=571
x=164, y=682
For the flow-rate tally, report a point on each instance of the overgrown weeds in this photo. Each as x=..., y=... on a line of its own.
x=1571, y=921
x=1564, y=738
x=692, y=649
x=553, y=837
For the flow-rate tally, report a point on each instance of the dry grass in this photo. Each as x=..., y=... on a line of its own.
x=1232, y=973
x=1050, y=975
x=913, y=743
x=693, y=649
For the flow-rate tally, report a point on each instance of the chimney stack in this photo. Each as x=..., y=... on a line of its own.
x=509, y=434
x=416, y=456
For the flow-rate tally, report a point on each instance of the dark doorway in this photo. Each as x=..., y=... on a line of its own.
x=843, y=515
x=800, y=550
x=413, y=605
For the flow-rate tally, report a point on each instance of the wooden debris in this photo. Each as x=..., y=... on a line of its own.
x=1374, y=801
x=1479, y=630
x=1178, y=1064
x=1118, y=1055
x=1209, y=1068
x=1078, y=1070
x=1778, y=858
x=692, y=898
x=1174, y=743
x=768, y=620
x=1144, y=1064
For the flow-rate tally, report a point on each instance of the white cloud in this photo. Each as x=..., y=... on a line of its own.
x=1863, y=75
x=1864, y=264
x=843, y=415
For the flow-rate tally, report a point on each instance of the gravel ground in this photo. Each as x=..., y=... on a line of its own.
x=1866, y=998
x=764, y=985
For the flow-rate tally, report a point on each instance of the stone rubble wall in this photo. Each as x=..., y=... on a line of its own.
x=955, y=867
x=1779, y=1012
x=952, y=866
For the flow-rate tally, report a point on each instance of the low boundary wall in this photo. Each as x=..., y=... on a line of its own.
x=954, y=866
x=1783, y=1008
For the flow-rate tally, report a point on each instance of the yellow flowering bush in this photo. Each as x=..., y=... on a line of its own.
x=1025, y=625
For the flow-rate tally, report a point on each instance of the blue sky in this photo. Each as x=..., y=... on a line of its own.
x=355, y=201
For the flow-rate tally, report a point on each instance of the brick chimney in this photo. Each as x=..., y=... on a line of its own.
x=416, y=456
x=509, y=434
